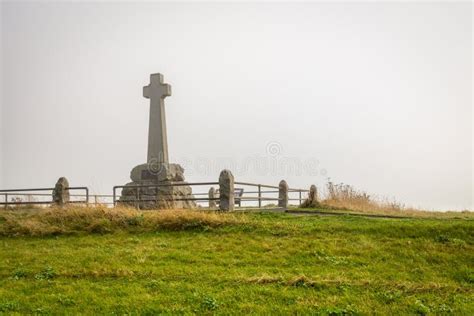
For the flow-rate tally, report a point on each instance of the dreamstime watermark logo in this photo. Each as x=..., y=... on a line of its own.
x=274, y=149
x=155, y=165
x=273, y=163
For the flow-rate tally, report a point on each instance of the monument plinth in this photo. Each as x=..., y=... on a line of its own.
x=157, y=171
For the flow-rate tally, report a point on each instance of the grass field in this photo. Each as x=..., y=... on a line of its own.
x=207, y=263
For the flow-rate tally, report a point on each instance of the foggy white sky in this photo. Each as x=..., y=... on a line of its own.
x=379, y=94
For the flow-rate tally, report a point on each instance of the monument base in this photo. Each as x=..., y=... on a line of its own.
x=165, y=195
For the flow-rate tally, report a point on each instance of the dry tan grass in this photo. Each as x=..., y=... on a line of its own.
x=264, y=279
x=301, y=280
x=41, y=222
x=346, y=197
x=377, y=208
x=304, y=281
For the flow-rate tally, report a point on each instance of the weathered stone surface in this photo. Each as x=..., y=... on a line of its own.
x=157, y=172
x=157, y=91
x=164, y=193
x=313, y=193
x=212, y=195
x=60, y=192
x=226, y=191
x=312, y=200
x=163, y=196
x=283, y=194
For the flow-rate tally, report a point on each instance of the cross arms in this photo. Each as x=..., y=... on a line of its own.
x=156, y=88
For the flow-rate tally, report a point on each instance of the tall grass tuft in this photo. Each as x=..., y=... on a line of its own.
x=345, y=197
x=77, y=219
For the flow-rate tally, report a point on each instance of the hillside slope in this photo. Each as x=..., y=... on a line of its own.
x=249, y=263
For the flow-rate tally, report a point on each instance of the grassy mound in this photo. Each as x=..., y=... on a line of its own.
x=194, y=262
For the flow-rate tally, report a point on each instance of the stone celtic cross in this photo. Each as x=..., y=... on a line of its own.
x=157, y=91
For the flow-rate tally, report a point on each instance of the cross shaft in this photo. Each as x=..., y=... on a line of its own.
x=157, y=91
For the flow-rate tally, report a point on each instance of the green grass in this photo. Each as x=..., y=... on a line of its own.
x=259, y=264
